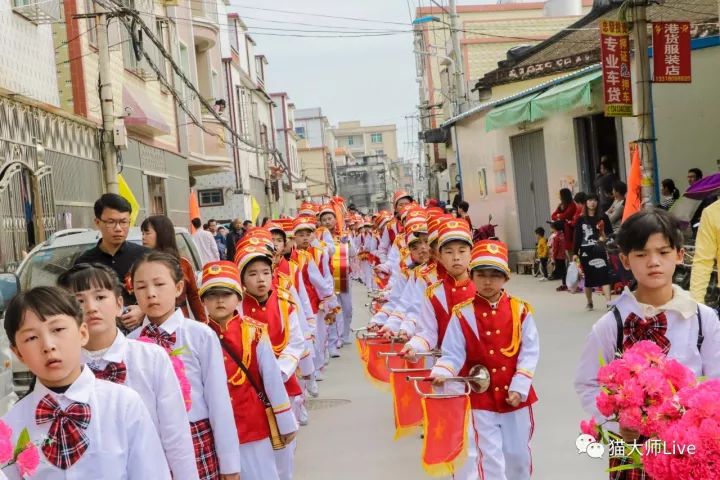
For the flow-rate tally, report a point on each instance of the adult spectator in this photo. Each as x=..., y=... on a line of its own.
x=670, y=194
x=565, y=213
x=236, y=233
x=458, y=196
x=591, y=232
x=205, y=243
x=707, y=252
x=604, y=183
x=247, y=224
x=158, y=233
x=462, y=212
x=615, y=212
x=112, y=218
x=219, y=238
x=695, y=174
x=579, y=200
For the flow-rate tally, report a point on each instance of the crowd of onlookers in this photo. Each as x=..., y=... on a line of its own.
x=580, y=246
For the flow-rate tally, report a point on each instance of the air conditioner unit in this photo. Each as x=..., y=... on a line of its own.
x=436, y=135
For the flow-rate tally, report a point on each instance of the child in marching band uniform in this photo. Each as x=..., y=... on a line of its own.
x=157, y=281
x=401, y=198
x=651, y=245
x=287, y=276
x=496, y=330
x=315, y=268
x=454, y=245
x=84, y=427
x=273, y=307
x=288, y=345
x=369, y=252
x=343, y=251
x=398, y=308
x=424, y=276
x=252, y=371
x=144, y=367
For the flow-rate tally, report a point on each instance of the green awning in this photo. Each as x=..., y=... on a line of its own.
x=565, y=96
x=513, y=113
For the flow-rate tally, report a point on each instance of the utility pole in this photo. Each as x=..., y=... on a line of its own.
x=461, y=98
x=459, y=65
x=646, y=139
x=106, y=102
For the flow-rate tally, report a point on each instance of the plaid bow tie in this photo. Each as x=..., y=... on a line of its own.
x=66, y=438
x=113, y=372
x=653, y=329
x=158, y=335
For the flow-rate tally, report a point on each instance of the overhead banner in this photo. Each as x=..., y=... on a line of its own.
x=671, y=52
x=615, y=57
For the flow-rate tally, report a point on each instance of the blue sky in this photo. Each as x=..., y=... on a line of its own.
x=371, y=79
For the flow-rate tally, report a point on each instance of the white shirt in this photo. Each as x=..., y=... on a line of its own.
x=206, y=245
x=426, y=328
x=151, y=375
x=454, y=350
x=205, y=370
x=274, y=386
x=682, y=331
x=123, y=443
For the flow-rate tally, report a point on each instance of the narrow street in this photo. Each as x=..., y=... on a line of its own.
x=350, y=435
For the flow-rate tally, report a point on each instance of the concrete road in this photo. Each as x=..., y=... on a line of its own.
x=350, y=435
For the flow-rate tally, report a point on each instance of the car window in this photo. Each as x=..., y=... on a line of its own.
x=44, y=266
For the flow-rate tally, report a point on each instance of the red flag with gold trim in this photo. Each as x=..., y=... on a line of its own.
x=378, y=367
x=445, y=421
x=361, y=343
x=406, y=400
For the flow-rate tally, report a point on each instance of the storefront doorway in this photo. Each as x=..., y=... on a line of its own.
x=528, y=152
x=597, y=137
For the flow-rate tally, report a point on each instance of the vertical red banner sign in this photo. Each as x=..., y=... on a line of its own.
x=615, y=56
x=671, y=52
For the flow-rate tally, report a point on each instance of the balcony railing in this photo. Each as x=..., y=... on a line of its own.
x=39, y=12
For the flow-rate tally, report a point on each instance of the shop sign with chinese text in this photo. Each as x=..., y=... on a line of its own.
x=615, y=57
x=671, y=52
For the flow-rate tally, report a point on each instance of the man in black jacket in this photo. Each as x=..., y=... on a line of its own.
x=237, y=231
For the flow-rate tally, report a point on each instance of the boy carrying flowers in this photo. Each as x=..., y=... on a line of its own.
x=657, y=312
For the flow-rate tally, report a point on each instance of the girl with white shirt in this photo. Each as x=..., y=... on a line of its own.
x=157, y=280
x=144, y=367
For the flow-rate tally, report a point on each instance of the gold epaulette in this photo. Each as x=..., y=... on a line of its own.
x=462, y=305
x=285, y=294
x=253, y=329
x=526, y=305
x=430, y=290
x=518, y=307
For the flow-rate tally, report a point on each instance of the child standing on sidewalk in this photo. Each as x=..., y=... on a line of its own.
x=651, y=246
x=498, y=331
x=542, y=252
x=558, y=254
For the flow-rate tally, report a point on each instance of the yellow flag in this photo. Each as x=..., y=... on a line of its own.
x=126, y=193
x=255, y=210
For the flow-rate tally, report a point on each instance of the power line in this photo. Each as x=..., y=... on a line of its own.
x=66, y=42
x=181, y=103
x=91, y=52
x=295, y=12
